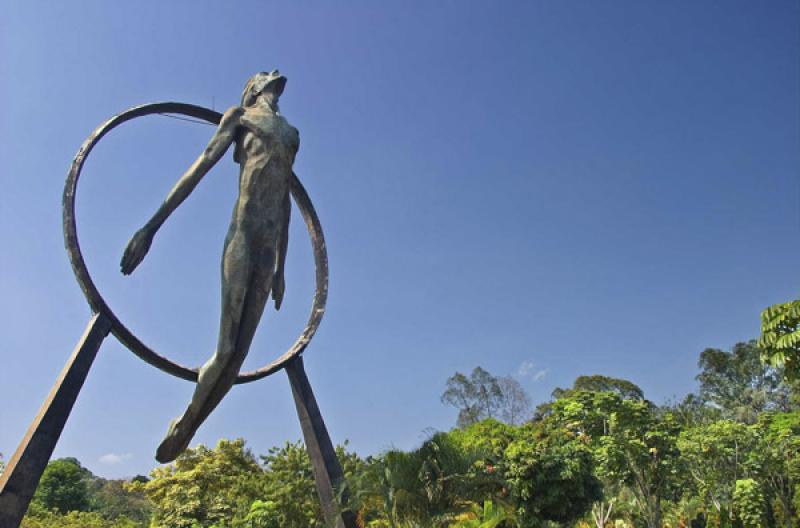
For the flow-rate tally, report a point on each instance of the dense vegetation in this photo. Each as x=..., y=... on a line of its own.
x=598, y=454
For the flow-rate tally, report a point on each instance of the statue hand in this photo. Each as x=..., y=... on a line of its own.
x=136, y=250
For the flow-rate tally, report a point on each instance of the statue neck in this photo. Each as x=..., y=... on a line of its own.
x=268, y=102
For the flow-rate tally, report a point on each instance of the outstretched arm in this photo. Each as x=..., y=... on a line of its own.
x=140, y=243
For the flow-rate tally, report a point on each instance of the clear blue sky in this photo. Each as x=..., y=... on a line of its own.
x=541, y=188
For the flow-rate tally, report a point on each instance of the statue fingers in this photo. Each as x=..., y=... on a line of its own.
x=132, y=257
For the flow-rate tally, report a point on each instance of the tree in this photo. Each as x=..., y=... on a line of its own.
x=515, y=406
x=288, y=483
x=739, y=384
x=428, y=486
x=716, y=457
x=692, y=411
x=488, y=438
x=204, y=487
x=623, y=388
x=633, y=444
x=113, y=500
x=550, y=474
x=780, y=338
x=641, y=451
x=595, y=384
x=476, y=397
x=63, y=486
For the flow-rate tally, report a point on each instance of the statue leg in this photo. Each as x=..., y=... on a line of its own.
x=255, y=302
x=245, y=289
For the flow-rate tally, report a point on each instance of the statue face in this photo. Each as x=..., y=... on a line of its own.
x=272, y=82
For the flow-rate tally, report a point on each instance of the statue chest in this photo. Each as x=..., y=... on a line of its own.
x=269, y=134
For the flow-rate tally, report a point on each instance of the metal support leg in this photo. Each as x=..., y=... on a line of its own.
x=327, y=470
x=21, y=476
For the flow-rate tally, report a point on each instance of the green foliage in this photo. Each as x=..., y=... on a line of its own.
x=749, y=504
x=641, y=451
x=780, y=337
x=489, y=438
x=75, y=519
x=288, y=483
x=428, y=486
x=262, y=514
x=632, y=443
x=623, y=388
x=716, y=456
x=63, y=487
x=597, y=453
x=739, y=384
x=489, y=515
x=114, y=501
x=775, y=460
x=550, y=473
x=204, y=487
x=692, y=411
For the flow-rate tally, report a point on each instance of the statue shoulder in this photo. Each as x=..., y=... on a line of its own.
x=232, y=116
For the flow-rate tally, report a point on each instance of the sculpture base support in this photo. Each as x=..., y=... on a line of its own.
x=25, y=468
x=328, y=473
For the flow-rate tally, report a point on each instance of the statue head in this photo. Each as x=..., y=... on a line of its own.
x=269, y=84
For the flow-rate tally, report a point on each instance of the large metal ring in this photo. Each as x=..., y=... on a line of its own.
x=98, y=304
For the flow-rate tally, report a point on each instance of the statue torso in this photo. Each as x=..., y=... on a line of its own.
x=266, y=149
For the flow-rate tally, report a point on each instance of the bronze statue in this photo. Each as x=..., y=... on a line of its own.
x=255, y=246
x=252, y=269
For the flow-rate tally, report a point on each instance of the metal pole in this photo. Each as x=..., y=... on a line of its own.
x=20, y=478
x=328, y=473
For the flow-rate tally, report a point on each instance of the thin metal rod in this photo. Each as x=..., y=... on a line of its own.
x=20, y=478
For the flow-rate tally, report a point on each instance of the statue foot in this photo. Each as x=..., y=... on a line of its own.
x=173, y=444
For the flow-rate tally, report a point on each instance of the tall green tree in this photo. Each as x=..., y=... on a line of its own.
x=594, y=384
x=739, y=384
x=64, y=486
x=641, y=451
x=634, y=445
x=627, y=390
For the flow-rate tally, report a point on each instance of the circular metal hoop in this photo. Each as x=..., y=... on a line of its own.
x=98, y=304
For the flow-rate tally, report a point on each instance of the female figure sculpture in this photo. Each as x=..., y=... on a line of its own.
x=255, y=246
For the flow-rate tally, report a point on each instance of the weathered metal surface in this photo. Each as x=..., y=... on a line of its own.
x=99, y=305
x=21, y=476
x=328, y=473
